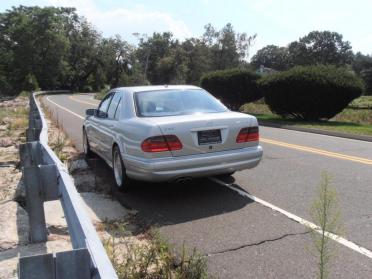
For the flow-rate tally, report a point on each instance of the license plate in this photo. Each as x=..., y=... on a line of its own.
x=209, y=137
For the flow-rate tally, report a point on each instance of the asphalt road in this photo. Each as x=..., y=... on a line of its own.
x=243, y=238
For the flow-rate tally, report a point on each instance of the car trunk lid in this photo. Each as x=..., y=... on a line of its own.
x=206, y=133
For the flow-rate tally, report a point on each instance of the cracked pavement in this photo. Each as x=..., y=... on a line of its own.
x=255, y=244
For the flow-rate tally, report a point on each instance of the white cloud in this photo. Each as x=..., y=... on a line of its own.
x=125, y=21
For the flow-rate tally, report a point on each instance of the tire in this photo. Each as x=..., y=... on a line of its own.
x=122, y=181
x=86, y=147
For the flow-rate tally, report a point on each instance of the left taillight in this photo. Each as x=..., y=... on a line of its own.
x=161, y=143
x=248, y=134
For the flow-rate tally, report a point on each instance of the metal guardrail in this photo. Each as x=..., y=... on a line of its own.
x=46, y=179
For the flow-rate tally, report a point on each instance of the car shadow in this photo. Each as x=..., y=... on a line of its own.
x=161, y=204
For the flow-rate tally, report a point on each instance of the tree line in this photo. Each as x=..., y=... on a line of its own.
x=55, y=48
x=324, y=48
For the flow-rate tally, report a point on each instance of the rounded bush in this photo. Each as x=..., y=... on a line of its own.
x=311, y=93
x=233, y=87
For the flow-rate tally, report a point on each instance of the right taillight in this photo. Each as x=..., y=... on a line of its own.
x=161, y=144
x=248, y=134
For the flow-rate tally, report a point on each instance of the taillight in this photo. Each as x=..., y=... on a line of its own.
x=248, y=134
x=161, y=144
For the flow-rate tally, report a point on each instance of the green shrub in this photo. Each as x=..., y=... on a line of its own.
x=233, y=87
x=311, y=93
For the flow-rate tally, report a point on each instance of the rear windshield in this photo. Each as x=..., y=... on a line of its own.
x=176, y=102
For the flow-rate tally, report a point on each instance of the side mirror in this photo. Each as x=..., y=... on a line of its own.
x=90, y=112
x=101, y=114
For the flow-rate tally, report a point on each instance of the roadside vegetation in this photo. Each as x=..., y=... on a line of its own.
x=57, y=139
x=150, y=256
x=363, y=102
x=14, y=118
x=13, y=124
x=310, y=92
x=318, y=97
x=326, y=214
x=242, y=82
x=350, y=120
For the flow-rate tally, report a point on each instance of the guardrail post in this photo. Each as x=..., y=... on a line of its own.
x=37, y=267
x=73, y=264
x=49, y=181
x=34, y=204
x=41, y=185
x=32, y=134
x=30, y=154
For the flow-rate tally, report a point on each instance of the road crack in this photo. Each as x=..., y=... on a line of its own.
x=255, y=244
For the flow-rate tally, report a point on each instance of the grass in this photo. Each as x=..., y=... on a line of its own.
x=15, y=119
x=362, y=102
x=350, y=120
x=24, y=94
x=13, y=113
x=58, y=145
x=150, y=258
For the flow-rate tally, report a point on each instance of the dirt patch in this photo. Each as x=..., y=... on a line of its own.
x=11, y=136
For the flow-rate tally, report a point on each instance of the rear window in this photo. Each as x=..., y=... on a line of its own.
x=176, y=102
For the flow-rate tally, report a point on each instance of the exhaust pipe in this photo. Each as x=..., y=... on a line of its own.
x=183, y=179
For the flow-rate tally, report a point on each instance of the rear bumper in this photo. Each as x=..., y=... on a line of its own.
x=201, y=165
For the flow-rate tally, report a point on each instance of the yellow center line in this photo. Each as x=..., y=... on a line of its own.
x=83, y=102
x=289, y=145
x=319, y=151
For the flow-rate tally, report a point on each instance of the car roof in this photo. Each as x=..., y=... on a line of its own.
x=155, y=87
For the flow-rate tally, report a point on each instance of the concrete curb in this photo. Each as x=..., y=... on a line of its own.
x=314, y=131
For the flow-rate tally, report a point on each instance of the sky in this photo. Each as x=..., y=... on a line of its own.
x=277, y=22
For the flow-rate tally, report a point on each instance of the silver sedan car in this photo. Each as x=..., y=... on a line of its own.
x=169, y=133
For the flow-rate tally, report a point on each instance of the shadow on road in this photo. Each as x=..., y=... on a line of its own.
x=163, y=204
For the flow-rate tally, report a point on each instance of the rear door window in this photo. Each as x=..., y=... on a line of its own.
x=103, y=106
x=114, y=105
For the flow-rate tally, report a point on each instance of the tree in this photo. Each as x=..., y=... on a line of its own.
x=362, y=65
x=55, y=48
x=227, y=47
x=272, y=56
x=82, y=56
x=361, y=62
x=36, y=44
x=321, y=47
x=151, y=50
x=197, y=61
x=366, y=75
